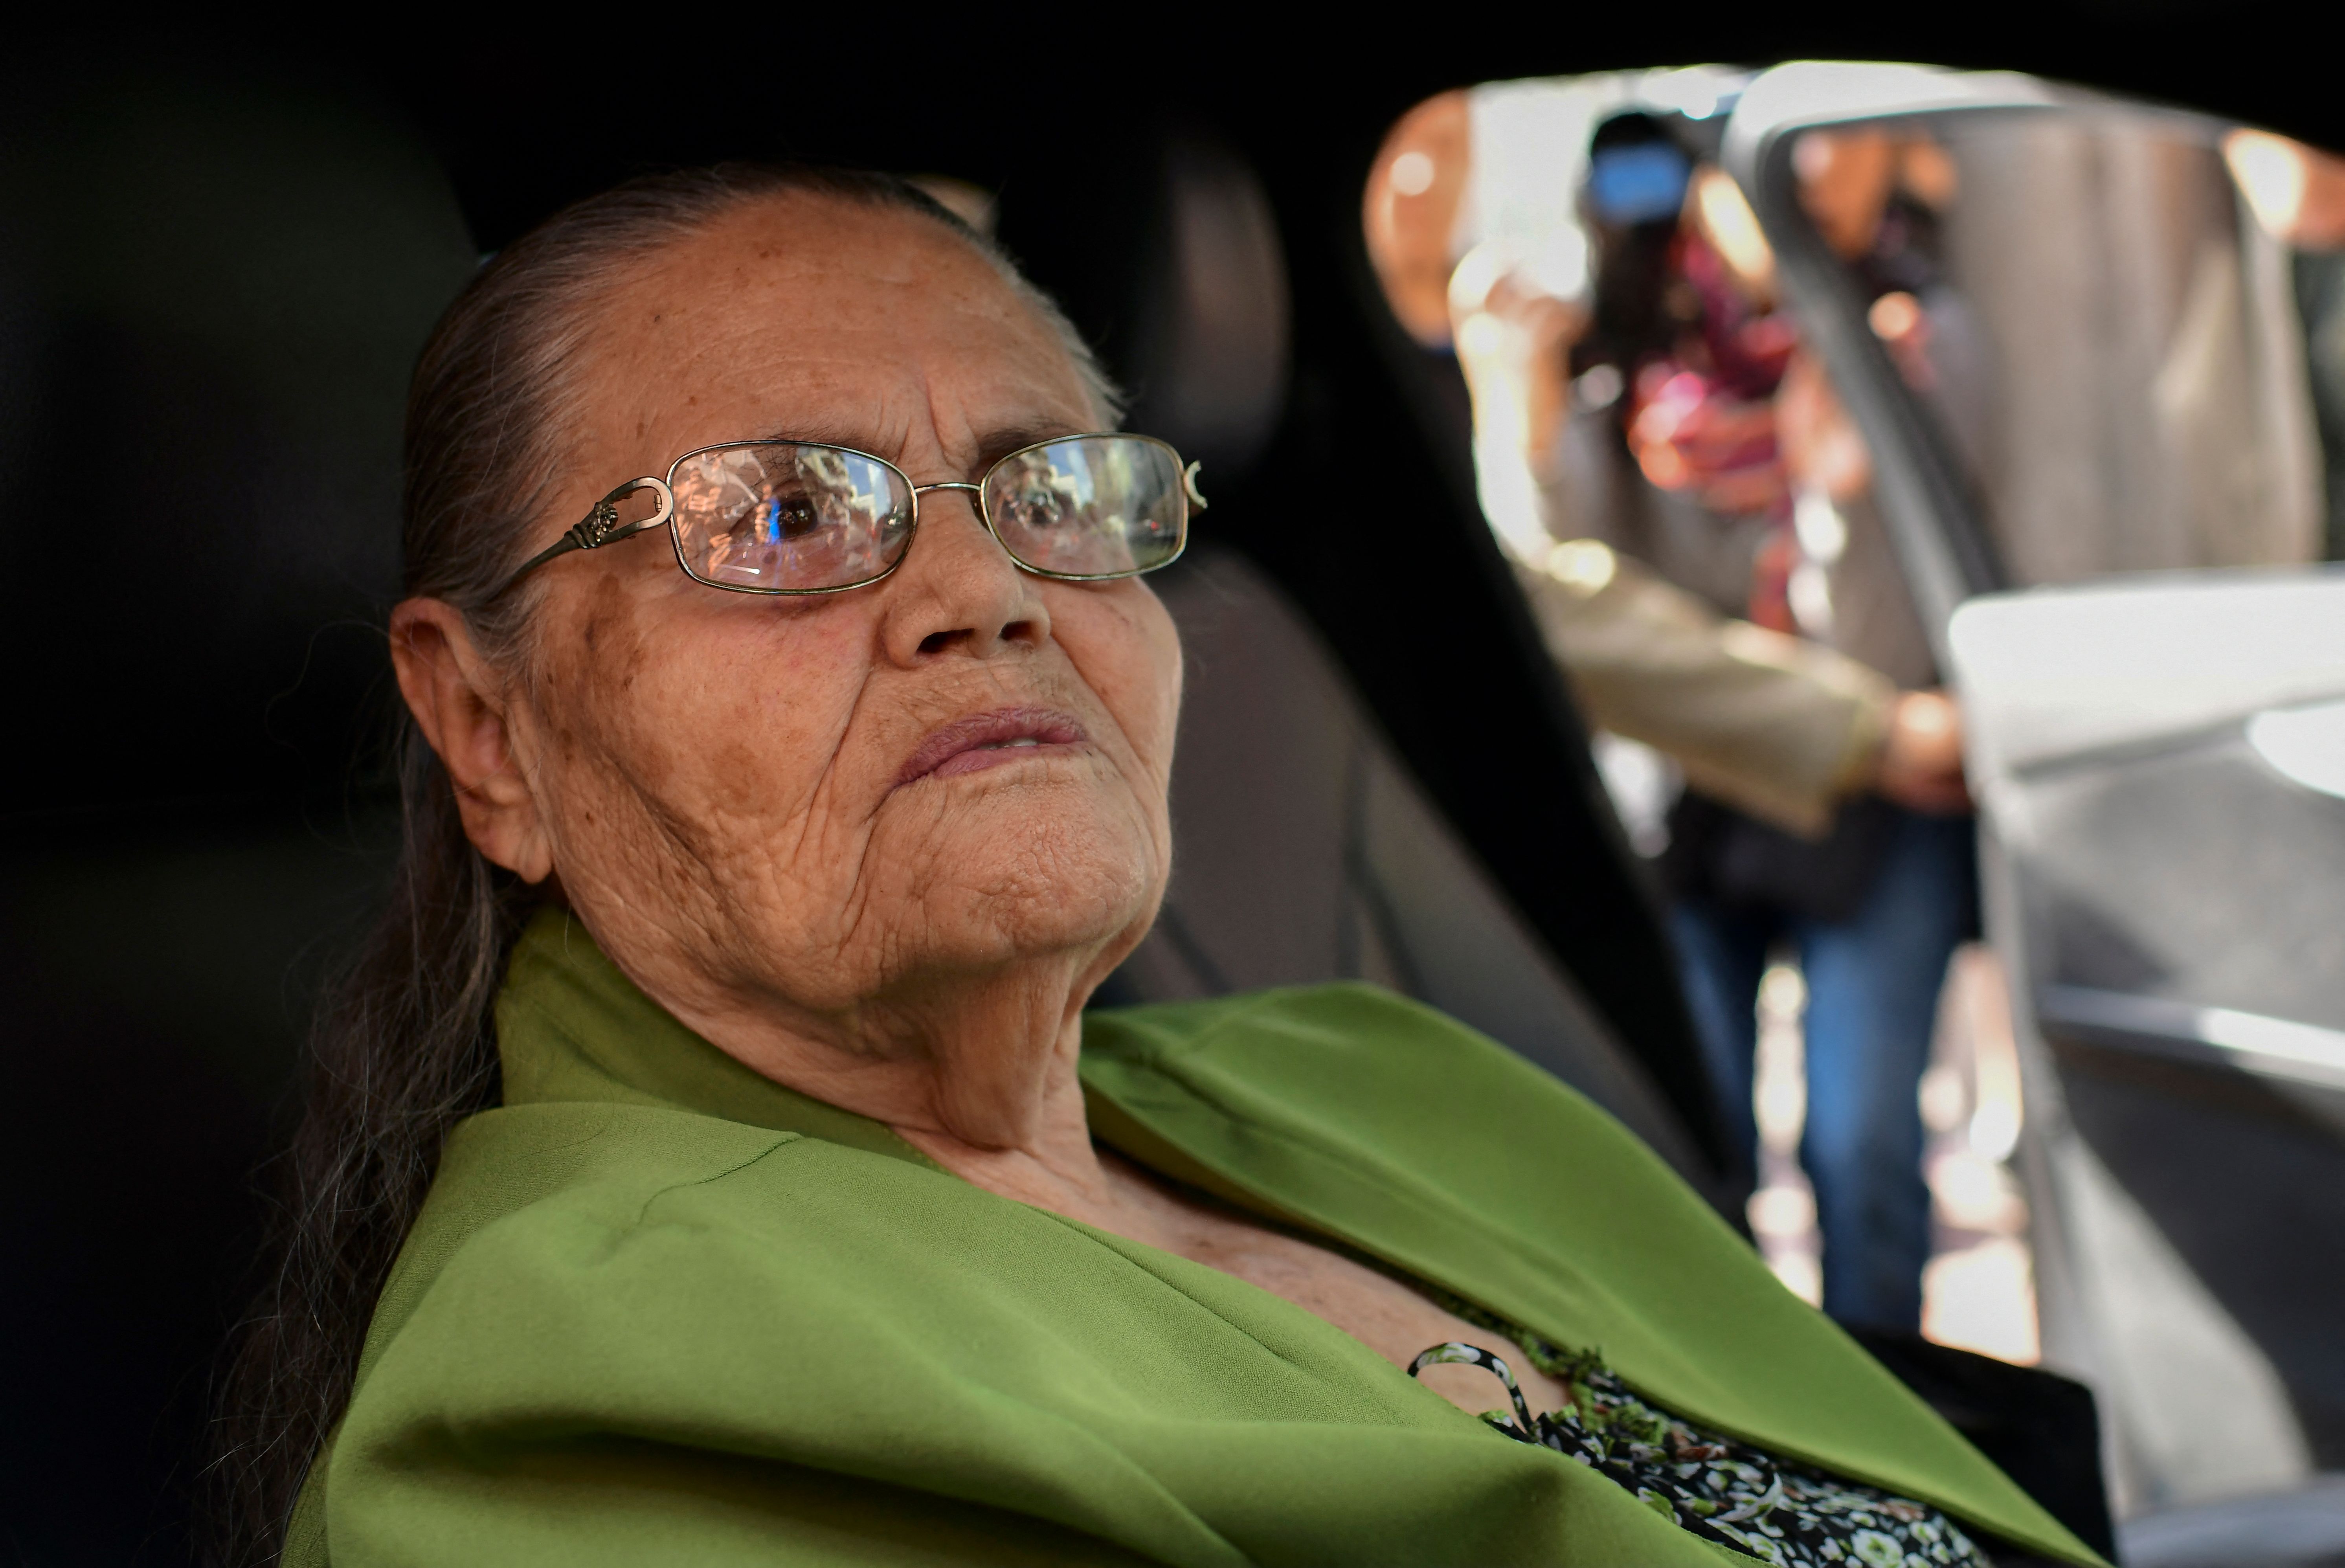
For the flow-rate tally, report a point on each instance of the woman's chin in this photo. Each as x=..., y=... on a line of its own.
x=1031, y=915
x=1015, y=881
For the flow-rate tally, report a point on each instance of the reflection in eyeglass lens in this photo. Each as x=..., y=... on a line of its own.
x=789, y=517
x=1036, y=495
x=1088, y=507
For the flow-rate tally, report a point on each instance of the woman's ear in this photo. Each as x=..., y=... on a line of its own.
x=462, y=709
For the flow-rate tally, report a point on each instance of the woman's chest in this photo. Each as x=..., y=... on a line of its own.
x=1396, y=1321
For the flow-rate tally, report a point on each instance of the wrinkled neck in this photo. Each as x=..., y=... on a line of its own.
x=978, y=1078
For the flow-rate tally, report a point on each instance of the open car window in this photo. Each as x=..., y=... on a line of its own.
x=1975, y=380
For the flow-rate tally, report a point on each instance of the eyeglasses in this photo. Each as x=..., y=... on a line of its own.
x=804, y=516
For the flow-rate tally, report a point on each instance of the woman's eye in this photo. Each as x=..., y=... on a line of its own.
x=780, y=518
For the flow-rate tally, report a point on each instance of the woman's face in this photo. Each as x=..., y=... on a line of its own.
x=843, y=801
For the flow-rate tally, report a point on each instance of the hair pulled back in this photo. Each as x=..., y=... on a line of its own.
x=403, y=1046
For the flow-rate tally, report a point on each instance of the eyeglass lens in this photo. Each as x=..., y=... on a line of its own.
x=786, y=517
x=779, y=516
x=1092, y=506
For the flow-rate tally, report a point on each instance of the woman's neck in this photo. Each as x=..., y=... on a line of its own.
x=1052, y=1165
x=978, y=1073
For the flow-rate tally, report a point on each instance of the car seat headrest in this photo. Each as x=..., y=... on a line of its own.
x=1168, y=262
x=213, y=295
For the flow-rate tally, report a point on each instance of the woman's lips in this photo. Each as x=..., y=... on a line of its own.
x=983, y=740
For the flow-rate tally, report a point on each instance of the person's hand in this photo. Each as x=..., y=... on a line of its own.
x=1691, y=434
x=1514, y=345
x=1922, y=759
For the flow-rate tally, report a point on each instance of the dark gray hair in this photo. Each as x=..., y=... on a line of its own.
x=404, y=1047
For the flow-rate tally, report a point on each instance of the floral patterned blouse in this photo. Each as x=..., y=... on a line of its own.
x=1718, y=1489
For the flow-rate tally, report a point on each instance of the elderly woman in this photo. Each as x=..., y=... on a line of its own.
x=814, y=1220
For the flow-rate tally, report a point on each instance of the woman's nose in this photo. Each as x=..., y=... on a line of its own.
x=959, y=591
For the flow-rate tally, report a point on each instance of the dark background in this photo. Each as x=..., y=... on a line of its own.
x=193, y=821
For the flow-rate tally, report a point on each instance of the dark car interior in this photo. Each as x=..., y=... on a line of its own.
x=216, y=267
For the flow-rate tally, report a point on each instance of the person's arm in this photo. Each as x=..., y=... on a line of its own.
x=1780, y=728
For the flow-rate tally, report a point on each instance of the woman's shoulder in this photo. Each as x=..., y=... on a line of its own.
x=1352, y=1023
x=619, y=1167
x=1350, y=1059
x=1384, y=1122
x=569, y=1248
x=510, y=1178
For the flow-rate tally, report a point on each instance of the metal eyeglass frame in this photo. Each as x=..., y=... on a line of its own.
x=602, y=526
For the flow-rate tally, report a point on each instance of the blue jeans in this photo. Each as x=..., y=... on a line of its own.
x=1872, y=986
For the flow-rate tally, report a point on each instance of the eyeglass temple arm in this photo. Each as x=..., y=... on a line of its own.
x=601, y=527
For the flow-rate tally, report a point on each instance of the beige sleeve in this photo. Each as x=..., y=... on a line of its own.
x=1779, y=727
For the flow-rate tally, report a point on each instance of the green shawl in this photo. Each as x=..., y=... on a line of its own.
x=658, y=1309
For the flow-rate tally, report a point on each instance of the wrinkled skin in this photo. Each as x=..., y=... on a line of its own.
x=717, y=781
x=715, y=776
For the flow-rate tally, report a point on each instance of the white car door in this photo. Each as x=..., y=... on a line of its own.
x=2109, y=487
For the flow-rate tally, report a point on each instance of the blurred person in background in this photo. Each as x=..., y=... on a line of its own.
x=1677, y=484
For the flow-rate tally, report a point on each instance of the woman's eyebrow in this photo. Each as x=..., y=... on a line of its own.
x=818, y=432
x=992, y=446
x=1003, y=439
